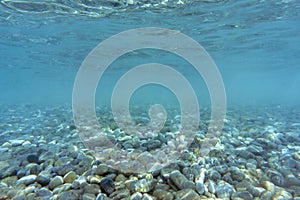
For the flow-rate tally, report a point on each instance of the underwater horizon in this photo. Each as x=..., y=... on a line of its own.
x=245, y=145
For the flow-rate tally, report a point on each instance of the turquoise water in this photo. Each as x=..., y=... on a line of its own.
x=255, y=45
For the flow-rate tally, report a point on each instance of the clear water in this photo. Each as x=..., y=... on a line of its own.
x=255, y=45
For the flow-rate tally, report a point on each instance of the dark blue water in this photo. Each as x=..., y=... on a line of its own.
x=255, y=45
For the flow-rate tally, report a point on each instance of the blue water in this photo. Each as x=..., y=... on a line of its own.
x=255, y=45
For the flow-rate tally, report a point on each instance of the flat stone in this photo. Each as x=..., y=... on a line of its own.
x=181, y=181
x=187, y=194
x=162, y=194
x=71, y=194
x=88, y=196
x=27, y=180
x=56, y=181
x=70, y=177
x=44, y=192
x=43, y=178
x=101, y=169
x=143, y=185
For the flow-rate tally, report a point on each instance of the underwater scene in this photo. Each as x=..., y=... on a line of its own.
x=149, y=99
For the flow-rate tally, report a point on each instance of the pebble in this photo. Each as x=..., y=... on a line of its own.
x=32, y=158
x=144, y=185
x=187, y=194
x=88, y=196
x=181, y=181
x=224, y=190
x=70, y=177
x=44, y=193
x=213, y=175
x=71, y=194
x=101, y=169
x=136, y=196
x=27, y=180
x=107, y=185
x=245, y=195
x=162, y=194
x=56, y=181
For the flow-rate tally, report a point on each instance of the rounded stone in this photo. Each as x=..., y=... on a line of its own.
x=200, y=188
x=245, y=195
x=70, y=194
x=32, y=158
x=101, y=169
x=44, y=192
x=70, y=177
x=237, y=175
x=213, y=175
x=27, y=180
x=107, y=185
x=136, y=196
x=43, y=179
x=56, y=181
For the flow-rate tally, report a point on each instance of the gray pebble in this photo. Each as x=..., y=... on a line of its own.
x=56, y=181
x=136, y=196
x=43, y=178
x=107, y=185
x=27, y=180
x=245, y=195
x=144, y=185
x=213, y=175
x=200, y=188
x=70, y=194
x=44, y=192
x=181, y=181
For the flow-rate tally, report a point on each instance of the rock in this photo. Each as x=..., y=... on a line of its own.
x=162, y=194
x=101, y=169
x=244, y=153
x=181, y=181
x=237, y=175
x=70, y=177
x=102, y=197
x=27, y=180
x=144, y=185
x=8, y=171
x=224, y=190
x=187, y=194
x=70, y=194
x=211, y=186
x=32, y=158
x=276, y=177
x=107, y=185
x=282, y=195
x=44, y=193
x=268, y=186
x=21, y=173
x=91, y=188
x=200, y=188
x=88, y=196
x=267, y=195
x=56, y=181
x=120, y=194
x=166, y=171
x=222, y=169
x=213, y=175
x=43, y=178
x=16, y=142
x=245, y=195
x=120, y=178
x=136, y=196
x=148, y=197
